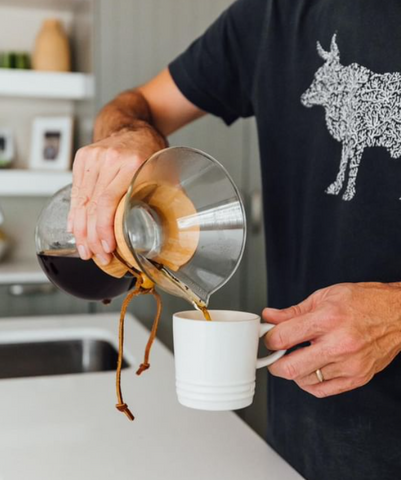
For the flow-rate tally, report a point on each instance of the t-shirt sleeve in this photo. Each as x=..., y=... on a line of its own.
x=215, y=73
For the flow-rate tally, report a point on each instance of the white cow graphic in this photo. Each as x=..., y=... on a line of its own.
x=363, y=109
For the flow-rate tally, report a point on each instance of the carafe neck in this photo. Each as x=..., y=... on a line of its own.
x=143, y=230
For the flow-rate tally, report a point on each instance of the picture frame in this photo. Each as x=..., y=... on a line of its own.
x=51, y=143
x=7, y=148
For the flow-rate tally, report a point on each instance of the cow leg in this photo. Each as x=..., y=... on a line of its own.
x=353, y=172
x=335, y=187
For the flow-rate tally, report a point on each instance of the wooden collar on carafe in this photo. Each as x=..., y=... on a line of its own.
x=123, y=261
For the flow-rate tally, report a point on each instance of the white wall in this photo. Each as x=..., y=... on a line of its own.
x=20, y=25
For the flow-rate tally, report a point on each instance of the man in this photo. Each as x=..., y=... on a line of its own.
x=332, y=207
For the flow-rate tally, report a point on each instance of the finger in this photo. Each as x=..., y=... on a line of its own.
x=93, y=241
x=84, y=174
x=88, y=184
x=293, y=332
x=333, y=387
x=329, y=372
x=300, y=363
x=106, y=176
x=71, y=213
x=80, y=231
x=101, y=250
x=274, y=315
x=107, y=204
x=80, y=213
x=77, y=176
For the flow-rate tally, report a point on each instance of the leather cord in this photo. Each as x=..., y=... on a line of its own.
x=138, y=290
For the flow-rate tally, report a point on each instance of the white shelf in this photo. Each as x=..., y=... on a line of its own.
x=33, y=84
x=32, y=183
x=56, y=5
x=21, y=271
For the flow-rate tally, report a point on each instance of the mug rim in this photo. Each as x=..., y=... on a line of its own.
x=183, y=315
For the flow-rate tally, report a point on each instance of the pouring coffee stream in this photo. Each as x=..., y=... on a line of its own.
x=181, y=227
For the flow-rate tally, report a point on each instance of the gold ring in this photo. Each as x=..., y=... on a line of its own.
x=319, y=375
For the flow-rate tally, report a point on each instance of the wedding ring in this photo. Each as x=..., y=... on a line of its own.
x=319, y=375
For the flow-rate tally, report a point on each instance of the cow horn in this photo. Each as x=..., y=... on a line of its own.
x=320, y=50
x=334, y=50
x=334, y=53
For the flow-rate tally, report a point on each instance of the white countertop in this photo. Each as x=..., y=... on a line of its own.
x=66, y=427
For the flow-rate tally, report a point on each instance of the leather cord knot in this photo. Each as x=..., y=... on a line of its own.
x=142, y=368
x=123, y=407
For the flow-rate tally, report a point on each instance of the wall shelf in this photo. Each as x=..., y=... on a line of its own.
x=32, y=183
x=52, y=85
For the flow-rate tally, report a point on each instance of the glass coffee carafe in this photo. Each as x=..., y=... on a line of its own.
x=181, y=226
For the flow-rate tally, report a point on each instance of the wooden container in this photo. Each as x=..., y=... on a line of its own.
x=179, y=246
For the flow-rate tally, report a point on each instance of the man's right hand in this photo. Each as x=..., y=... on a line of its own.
x=102, y=173
x=124, y=139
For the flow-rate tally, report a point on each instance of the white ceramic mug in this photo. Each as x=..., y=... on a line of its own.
x=216, y=362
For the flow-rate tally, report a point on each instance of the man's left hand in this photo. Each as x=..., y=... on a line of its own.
x=354, y=332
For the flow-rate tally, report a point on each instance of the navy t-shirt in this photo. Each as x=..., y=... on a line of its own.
x=321, y=78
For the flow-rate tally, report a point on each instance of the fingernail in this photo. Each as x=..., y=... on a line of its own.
x=102, y=260
x=83, y=252
x=106, y=246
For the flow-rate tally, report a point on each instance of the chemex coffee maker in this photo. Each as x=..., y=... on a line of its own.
x=181, y=226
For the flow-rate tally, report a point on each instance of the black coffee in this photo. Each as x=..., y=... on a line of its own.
x=83, y=278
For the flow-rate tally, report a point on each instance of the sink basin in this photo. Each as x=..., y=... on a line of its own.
x=57, y=357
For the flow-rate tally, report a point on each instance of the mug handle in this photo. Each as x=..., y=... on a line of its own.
x=274, y=356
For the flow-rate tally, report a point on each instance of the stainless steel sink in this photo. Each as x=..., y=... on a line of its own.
x=57, y=357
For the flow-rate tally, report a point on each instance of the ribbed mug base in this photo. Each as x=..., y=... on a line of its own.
x=215, y=406
x=215, y=398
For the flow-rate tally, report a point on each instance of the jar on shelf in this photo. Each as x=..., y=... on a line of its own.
x=52, y=50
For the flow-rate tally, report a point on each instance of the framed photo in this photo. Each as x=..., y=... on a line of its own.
x=51, y=143
x=6, y=147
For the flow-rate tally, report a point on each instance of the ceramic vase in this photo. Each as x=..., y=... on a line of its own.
x=52, y=51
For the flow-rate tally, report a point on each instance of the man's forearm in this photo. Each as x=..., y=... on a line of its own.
x=129, y=110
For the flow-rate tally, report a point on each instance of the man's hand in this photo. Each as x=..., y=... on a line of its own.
x=102, y=174
x=128, y=130
x=354, y=332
